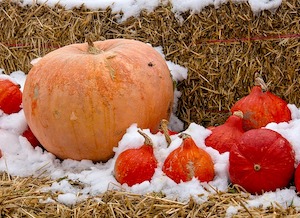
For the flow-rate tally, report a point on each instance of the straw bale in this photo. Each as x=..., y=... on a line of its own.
x=23, y=197
x=221, y=47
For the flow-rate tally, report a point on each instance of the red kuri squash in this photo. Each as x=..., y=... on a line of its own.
x=261, y=107
x=28, y=134
x=226, y=135
x=136, y=165
x=262, y=160
x=188, y=161
x=10, y=97
x=80, y=99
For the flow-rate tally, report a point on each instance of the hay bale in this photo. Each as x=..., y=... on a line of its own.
x=23, y=197
x=221, y=48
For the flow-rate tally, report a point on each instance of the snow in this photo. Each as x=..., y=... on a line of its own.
x=125, y=9
x=284, y=197
x=68, y=199
x=232, y=210
x=21, y=159
x=259, y=5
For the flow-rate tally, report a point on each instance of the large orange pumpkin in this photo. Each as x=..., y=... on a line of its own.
x=80, y=99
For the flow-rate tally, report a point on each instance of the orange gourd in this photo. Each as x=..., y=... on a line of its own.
x=10, y=97
x=80, y=99
x=28, y=134
x=261, y=107
x=262, y=160
x=188, y=161
x=226, y=135
x=136, y=165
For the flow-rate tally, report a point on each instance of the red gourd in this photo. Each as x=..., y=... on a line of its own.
x=31, y=137
x=262, y=160
x=10, y=97
x=297, y=178
x=261, y=107
x=188, y=161
x=136, y=165
x=227, y=134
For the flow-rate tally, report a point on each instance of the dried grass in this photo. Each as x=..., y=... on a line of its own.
x=22, y=197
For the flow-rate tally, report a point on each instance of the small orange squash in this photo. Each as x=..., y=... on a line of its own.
x=31, y=137
x=136, y=165
x=226, y=135
x=80, y=99
x=261, y=107
x=10, y=96
x=188, y=161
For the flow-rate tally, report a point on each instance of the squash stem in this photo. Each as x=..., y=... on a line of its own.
x=184, y=136
x=260, y=82
x=238, y=114
x=91, y=47
x=148, y=140
x=164, y=127
x=257, y=167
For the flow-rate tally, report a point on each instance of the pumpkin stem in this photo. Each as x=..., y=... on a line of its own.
x=238, y=114
x=148, y=140
x=91, y=47
x=164, y=127
x=260, y=82
x=184, y=136
x=256, y=167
